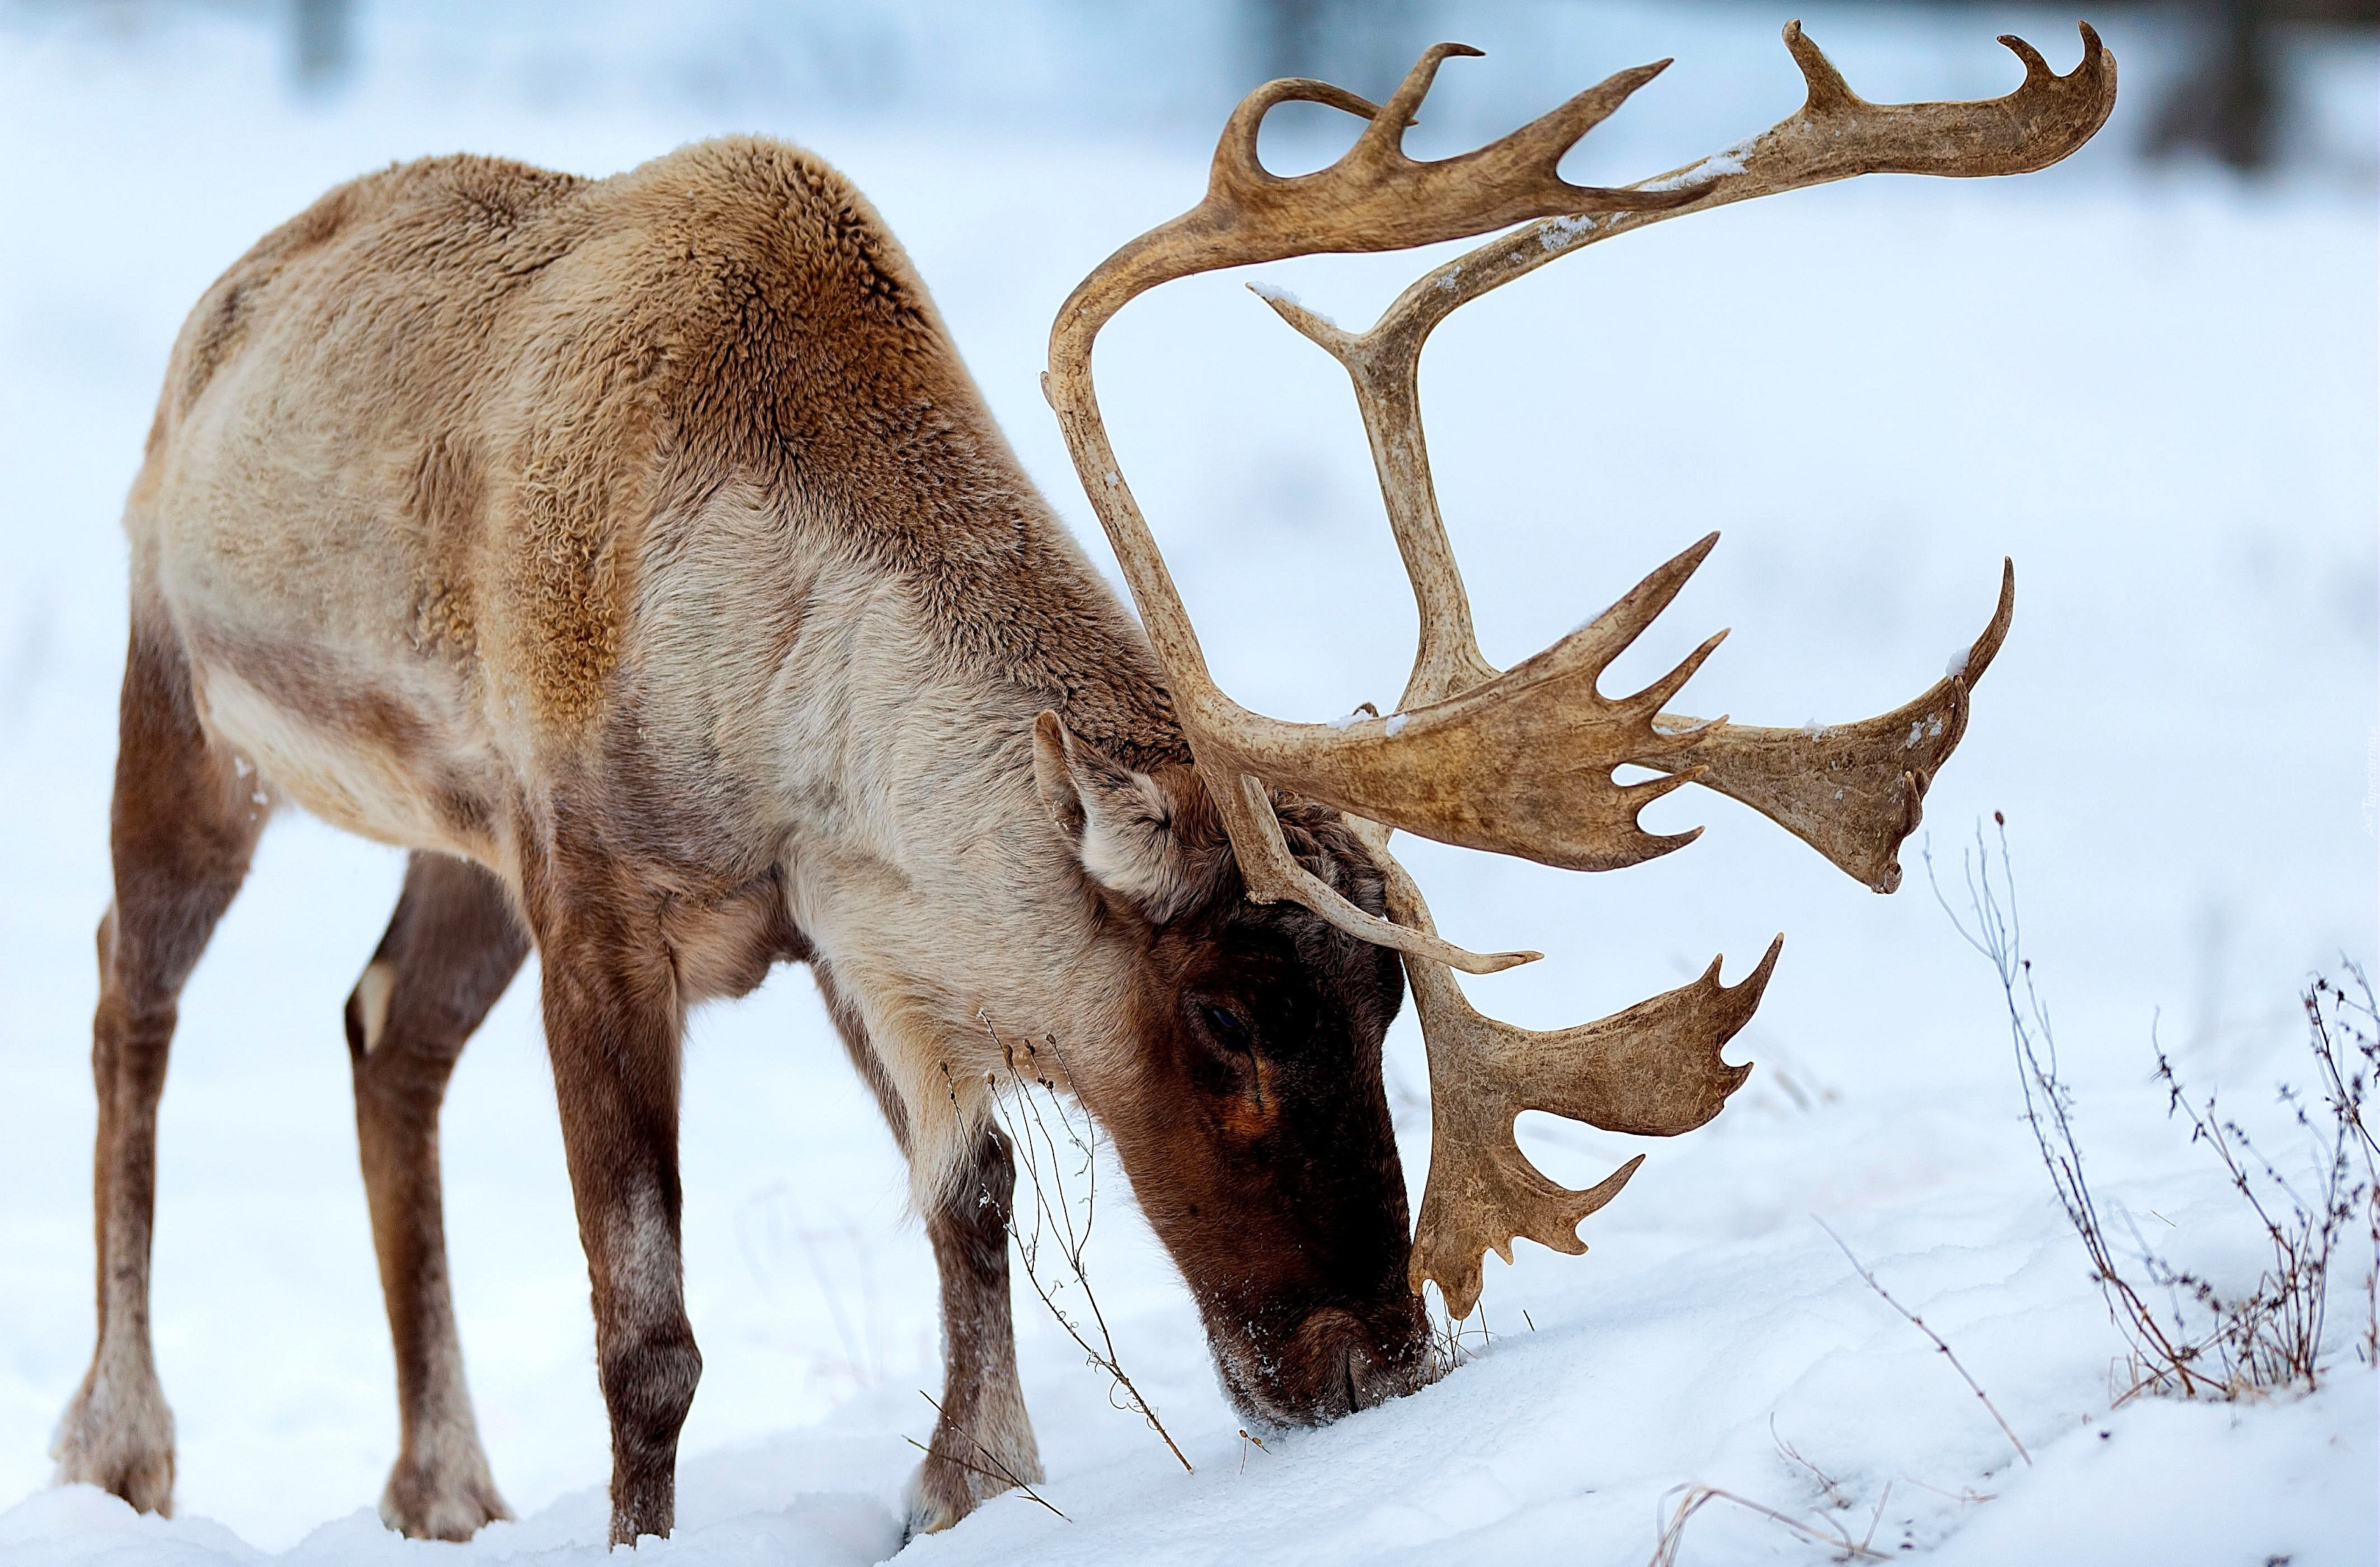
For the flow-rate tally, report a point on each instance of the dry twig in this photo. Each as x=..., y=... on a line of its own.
x=1053, y=1228
x=1919, y=1323
x=1997, y=934
x=1825, y=1532
x=1877, y=1517
x=1965, y=1496
x=999, y=1470
x=1836, y=1496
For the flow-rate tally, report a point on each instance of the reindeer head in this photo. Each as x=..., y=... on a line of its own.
x=1253, y=1120
x=1262, y=1147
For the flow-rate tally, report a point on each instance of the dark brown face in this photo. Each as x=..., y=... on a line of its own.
x=1249, y=1111
x=1258, y=1141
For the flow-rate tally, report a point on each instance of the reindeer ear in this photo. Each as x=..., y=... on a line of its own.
x=1121, y=822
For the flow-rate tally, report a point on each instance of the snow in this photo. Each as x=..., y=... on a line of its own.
x=2155, y=392
x=1717, y=165
x=1559, y=232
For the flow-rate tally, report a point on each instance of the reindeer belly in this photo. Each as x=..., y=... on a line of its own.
x=303, y=663
x=357, y=757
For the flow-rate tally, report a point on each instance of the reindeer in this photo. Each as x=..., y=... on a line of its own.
x=639, y=554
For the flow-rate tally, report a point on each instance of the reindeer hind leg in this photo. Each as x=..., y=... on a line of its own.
x=182, y=826
x=452, y=948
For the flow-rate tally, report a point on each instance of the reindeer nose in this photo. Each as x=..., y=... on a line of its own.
x=1364, y=1384
x=1359, y=1365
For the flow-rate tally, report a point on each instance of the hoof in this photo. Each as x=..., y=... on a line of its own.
x=942, y=1492
x=423, y=1502
x=928, y=1509
x=118, y=1435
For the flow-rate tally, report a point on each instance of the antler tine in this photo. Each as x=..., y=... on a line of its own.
x=1851, y=791
x=1835, y=135
x=1387, y=131
x=1521, y=765
x=1272, y=873
x=1374, y=197
x=1447, y=661
x=1654, y=1070
x=1236, y=161
x=1651, y=698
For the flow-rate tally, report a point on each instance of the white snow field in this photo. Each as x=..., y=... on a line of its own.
x=2155, y=392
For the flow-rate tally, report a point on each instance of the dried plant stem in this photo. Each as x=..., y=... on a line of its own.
x=1834, y=1493
x=1919, y=1323
x=998, y=1471
x=1998, y=936
x=1450, y=1337
x=1826, y=1532
x=1039, y=1156
x=1965, y=1496
x=1877, y=1517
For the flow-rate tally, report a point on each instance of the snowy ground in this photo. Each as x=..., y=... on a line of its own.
x=2157, y=394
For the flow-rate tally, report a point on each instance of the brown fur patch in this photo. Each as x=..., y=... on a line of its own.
x=448, y=499
x=215, y=327
x=804, y=350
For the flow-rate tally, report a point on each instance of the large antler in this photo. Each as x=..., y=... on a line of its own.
x=1521, y=763
x=1653, y=1070
x=1851, y=791
x=1545, y=732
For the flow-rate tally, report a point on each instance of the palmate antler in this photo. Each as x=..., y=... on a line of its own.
x=1851, y=791
x=1521, y=763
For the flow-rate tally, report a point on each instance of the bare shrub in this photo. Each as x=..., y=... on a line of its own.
x=1048, y=1131
x=2272, y=1336
x=2209, y=1342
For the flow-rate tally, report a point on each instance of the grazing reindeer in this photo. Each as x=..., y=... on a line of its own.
x=638, y=554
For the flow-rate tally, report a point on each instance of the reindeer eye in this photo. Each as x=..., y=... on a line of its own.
x=1225, y=1025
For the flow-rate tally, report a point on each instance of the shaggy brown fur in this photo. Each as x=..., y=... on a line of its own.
x=639, y=553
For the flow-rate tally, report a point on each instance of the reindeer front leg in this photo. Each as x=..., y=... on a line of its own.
x=983, y=1444
x=612, y=1021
